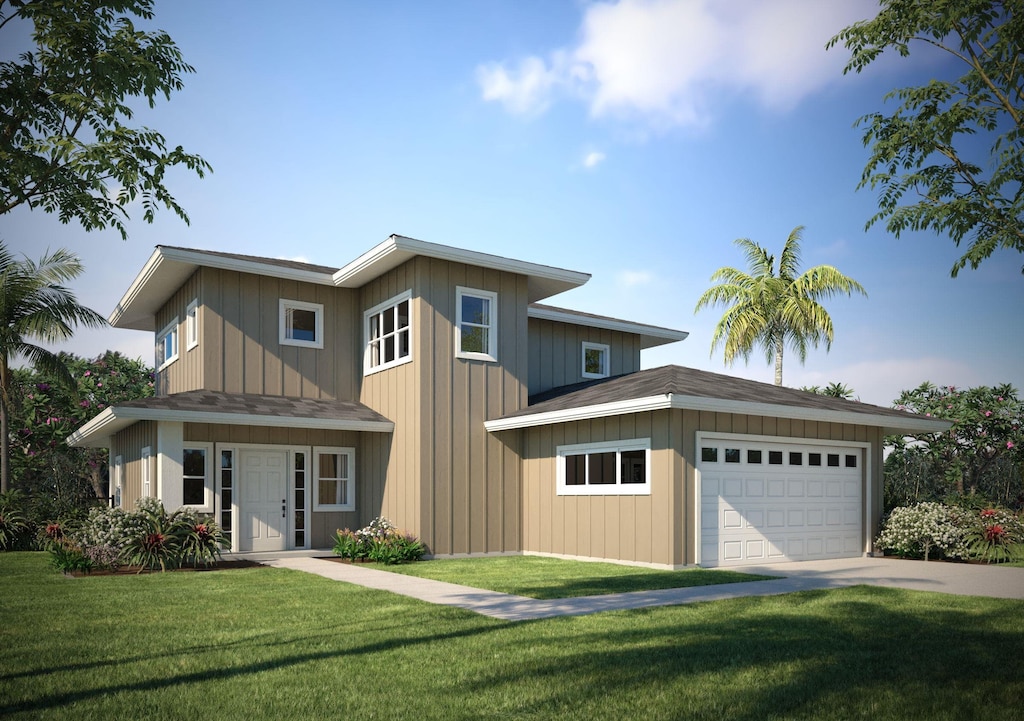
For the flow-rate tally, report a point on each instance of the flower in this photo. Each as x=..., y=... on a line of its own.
x=988, y=413
x=87, y=374
x=988, y=513
x=1009, y=445
x=994, y=533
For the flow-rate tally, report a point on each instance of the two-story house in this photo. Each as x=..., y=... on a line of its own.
x=428, y=384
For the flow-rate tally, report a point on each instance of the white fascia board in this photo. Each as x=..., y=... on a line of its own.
x=652, y=335
x=397, y=249
x=168, y=268
x=114, y=419
x=889, y=424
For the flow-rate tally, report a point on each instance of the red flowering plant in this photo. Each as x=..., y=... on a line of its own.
x=995, y=536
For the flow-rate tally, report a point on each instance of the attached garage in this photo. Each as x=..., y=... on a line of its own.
x=772, y=500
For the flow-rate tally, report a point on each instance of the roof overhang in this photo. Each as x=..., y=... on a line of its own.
x=97, y=432
x=543, y=281
x=167, y=270
x=890, y=425
x=650, y=335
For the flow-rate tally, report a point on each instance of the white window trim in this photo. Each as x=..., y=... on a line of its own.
x=284, y=305
x=315, y=487
x=605, y=359
x=117, y=481
x=619, y=489
x=170, y=329
x=146, y=473
x=389, y=303
x=192, y=325
x=208, y=505
x=492, y=335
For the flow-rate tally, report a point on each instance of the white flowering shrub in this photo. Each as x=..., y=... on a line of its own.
x=926, y=530
x=380, y=542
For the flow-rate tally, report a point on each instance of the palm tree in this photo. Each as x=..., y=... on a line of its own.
x=772, y=306
x=35, y=306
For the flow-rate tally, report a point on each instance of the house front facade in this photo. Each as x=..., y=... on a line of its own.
x=433, y=385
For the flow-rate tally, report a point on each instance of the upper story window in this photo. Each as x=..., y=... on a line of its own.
x=167, y=345
x=301, y=324
x=192, y=325
x=476, y=324
x=607, y=468
x=595, y=360
x=388, y=331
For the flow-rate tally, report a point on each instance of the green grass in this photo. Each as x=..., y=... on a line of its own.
x=267, y=643
x=548, y=578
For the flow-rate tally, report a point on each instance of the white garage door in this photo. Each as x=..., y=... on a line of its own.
x=766, y=502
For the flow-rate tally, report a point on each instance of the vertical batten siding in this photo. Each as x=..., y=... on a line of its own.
x=240, y=339
x=555, y=353
x=186, y=373
x=128, y=444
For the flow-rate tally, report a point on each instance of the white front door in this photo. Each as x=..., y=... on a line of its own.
x=264, y=492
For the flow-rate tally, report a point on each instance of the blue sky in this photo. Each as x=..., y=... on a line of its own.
x=633, y=140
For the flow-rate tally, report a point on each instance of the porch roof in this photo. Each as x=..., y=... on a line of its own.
x=203, y=406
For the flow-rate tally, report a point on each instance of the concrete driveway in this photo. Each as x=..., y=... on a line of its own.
x=957, y=578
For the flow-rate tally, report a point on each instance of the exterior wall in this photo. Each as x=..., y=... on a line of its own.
x=656, y=529
x=556, y=352
x=128, y=444
x=239, y=349
x=448, y=480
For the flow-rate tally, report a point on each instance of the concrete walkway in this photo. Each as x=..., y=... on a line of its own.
x=956, y=578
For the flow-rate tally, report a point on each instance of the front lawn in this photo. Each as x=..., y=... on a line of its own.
x=264, y=643
x=550, y=578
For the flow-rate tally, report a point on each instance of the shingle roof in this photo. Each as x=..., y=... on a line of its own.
x=690, y=388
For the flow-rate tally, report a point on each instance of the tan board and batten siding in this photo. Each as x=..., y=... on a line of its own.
x=556, y=352
x=448, y=479
x=656, y=529
x=128, y=444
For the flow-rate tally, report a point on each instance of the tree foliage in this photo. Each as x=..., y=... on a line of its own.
x=66, y=145
x=982, y=454
x=774, y=305
x=835, y=389
x=35, y=306
x=48, y=412
x=950, y=158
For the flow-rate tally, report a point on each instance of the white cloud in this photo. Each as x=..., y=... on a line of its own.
x=593, y=159
x=664, y=61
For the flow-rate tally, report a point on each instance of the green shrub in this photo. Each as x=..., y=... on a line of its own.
x=69, y=558
x=379, y=542
x=12, y=519
x=996, y=535
x=923, y=529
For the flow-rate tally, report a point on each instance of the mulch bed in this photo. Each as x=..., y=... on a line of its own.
x=134, y=570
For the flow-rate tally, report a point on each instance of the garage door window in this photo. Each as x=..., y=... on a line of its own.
x=616, y=468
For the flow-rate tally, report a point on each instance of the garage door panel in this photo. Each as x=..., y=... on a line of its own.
x=758, y=512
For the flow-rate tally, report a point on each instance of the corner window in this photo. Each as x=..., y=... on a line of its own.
x=334, y=477
x=196, y=485
x=595, y=360
x=301, y=324
x=476, y=324
x=613, y=468
x=167, y=345
x=192, y=325
x=388, y=332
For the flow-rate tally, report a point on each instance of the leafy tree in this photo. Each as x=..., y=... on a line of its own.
x=35, y=306
x=48, y=412
x=773, y=305
x=65, y=145
x=983, y=453
x=950, y=158
x=832, y=390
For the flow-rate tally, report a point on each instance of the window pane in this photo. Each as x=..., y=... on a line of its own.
x=634, y=466
x=375, y=326
x=796, y=458
x=602, y=468
x=814, y=459
x=389, y=348
x=753, y=456
x=328, y=466
x=474, y=340
x=225, y=498
x=193, y=492
x=300, y=324
x=575, y=470
x=389, y=321
x=403, y=344
x=476, y=310
x=833, y=460
x=709, y=455
x=851, y=461
x=732, y=455
x=225, y=459
x=328, y=492
x=403, y=314
x=775, y=458
x=300, y=520
x=594, y=361
x=194, y=463
x=343, y=465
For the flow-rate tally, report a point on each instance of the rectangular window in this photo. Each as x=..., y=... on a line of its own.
x=388, y=333
x=709, y=454
x=227, y=473
x=147, y=484
x=796, y=458
x=192, y=325
x=299, y=500
x=732, y=455
x=833, y=460
x=116, y=481
x=334, y=476
x=753, y=456
x=814, y=459
x=196, y=479
x=301, y=324
x=476, y=324
x=167, y=345
x=851, y=461
x=595, y=360
x=775, y=458
x=612, y=468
